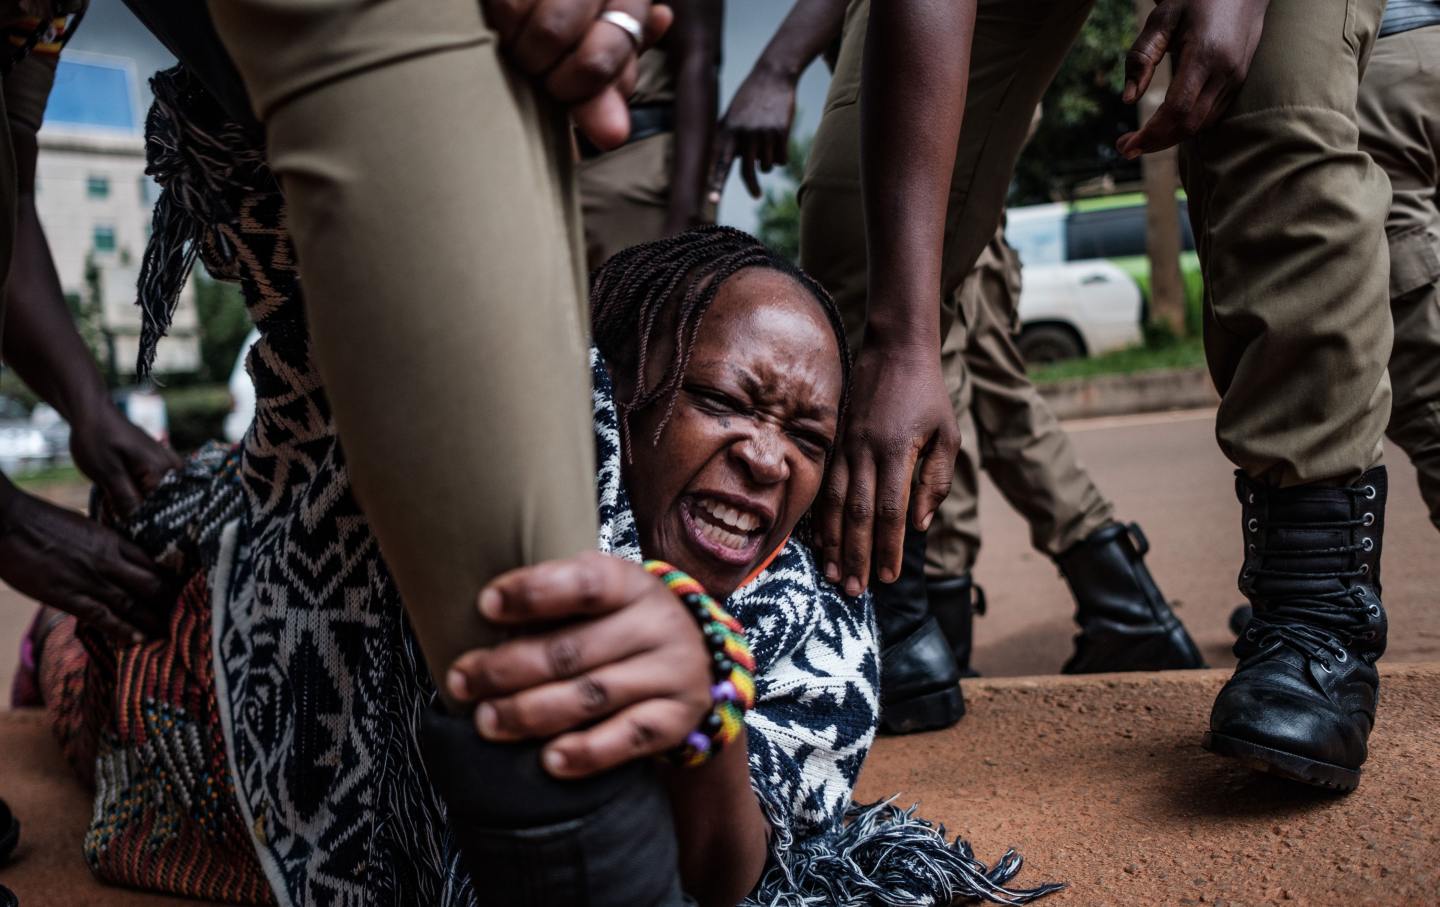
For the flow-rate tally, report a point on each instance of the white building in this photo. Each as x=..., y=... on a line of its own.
x=95, y=203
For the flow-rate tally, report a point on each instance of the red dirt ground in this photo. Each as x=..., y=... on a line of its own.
x=1101, y=782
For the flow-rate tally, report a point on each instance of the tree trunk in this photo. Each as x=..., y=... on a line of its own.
x=1161, y=174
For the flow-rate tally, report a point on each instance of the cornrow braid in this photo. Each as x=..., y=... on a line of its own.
x=636, y=286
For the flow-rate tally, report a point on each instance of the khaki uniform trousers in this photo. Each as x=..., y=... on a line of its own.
x=1005, y=424
x=1400, y=128
x=1006, y=428
x=444, y=296
x=1289, y=218
x=625, y=196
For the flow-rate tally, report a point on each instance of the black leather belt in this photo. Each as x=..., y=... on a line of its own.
x=645, y=120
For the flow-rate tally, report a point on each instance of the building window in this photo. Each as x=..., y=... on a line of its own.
x=104, y=239
x=97, y=187
x=147, y=192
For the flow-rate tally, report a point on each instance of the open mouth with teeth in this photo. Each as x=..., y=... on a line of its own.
x=729, y=534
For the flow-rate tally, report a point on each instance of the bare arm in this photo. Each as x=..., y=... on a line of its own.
x=42, y=345
x=695, y=55
x=40, y=341
x=917, y=58
x=756, y=127
x=46, y=552
x=722, y=833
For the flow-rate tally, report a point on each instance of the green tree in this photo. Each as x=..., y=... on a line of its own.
x=223, y=326
x=85, y=310
x=1083, y=113
x=1074, y=144
x=779, y=210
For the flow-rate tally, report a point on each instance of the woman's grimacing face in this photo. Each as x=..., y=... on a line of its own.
x=744, y=452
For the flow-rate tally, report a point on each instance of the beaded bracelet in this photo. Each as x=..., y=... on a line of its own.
x=733, y=692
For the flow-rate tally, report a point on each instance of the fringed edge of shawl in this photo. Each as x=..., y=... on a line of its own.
x=198, y=156
x=882, y=856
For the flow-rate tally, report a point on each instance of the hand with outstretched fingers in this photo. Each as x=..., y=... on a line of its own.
x=900, y=416
x=583, y=60
x=1211, y=44
x=61, y=559
x=615, y=668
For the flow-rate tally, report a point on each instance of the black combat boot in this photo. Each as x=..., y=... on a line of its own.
x=9, y=839
x=1125, y=624
x=1240, y=618
x=1302, y=700
x=919, y=679
x=955, y=600
x=530, y=840
x=9, y=832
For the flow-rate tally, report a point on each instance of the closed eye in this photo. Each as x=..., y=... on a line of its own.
x=713, y=400
x=815, y=443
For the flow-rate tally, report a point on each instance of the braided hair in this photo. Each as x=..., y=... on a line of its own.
x=631, y=292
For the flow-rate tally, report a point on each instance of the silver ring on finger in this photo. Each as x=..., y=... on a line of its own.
x=626, y=23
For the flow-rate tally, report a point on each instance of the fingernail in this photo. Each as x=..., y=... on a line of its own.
x=485, y=719
x=832, y=573
x=714, y=198
x=554, y=761
x=852, y=587
x=925, y=520
x=137, y=638
x=455, y=681
x=490, y=603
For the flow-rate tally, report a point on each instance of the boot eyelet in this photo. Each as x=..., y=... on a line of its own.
x=1368, y=519
x=1252, y=524
x=1250, y=547
x=1367, y=543
x=1369, y=492
x=1373, y=611
x=1325, y=666
x=1250, y=498
x=1341, y=657
x=1364, y=569
x=1250, y=634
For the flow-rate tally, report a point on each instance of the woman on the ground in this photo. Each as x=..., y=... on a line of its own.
x=268, y=748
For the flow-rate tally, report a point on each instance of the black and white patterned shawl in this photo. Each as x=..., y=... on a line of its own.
x=817, y=667
x=817, y=684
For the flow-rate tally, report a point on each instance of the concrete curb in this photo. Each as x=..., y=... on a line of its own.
x=1141, y=392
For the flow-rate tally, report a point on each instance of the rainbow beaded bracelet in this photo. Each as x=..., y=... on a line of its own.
x=732, y=665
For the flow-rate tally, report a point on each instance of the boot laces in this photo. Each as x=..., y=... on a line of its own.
x=1316, y=628
x=1319, y=625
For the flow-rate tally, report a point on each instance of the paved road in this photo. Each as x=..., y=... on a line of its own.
x=1165, y=472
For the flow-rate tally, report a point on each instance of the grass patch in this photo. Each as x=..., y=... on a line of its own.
x=33, y=480
x=1181, y=353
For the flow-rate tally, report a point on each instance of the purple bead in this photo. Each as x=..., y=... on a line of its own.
x=698, y=742
x=724, y=692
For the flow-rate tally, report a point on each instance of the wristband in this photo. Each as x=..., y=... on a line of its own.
x=732, y=667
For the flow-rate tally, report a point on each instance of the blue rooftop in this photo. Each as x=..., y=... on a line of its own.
x=94, y=94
